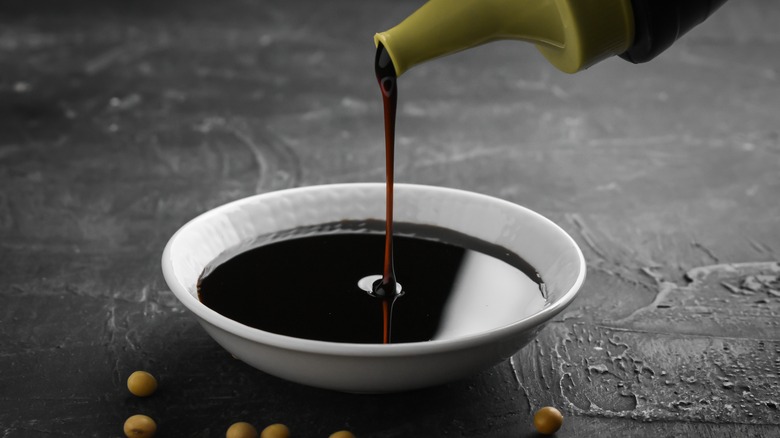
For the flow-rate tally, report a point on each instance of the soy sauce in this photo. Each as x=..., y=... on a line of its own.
x=305, y=284
x=386, y=288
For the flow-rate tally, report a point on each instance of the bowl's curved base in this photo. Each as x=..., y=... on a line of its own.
x=377, y=375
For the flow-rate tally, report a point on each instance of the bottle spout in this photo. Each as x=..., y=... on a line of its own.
x=571, y=34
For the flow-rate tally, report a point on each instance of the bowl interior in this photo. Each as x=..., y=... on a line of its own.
x=219, y=234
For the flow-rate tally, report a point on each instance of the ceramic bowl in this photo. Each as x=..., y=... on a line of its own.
x=214, y=236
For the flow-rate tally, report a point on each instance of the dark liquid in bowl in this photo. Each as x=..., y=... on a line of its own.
x=306, y=285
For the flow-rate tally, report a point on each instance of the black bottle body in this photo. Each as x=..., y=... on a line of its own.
x=659, y=23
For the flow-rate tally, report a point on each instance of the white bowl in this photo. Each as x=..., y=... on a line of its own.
x=216, y=235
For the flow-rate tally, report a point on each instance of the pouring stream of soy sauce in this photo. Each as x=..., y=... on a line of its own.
x=386, y=287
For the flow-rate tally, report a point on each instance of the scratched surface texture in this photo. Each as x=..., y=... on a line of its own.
x=120, y=121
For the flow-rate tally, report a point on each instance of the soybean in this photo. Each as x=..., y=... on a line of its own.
x=277, y=430
x=241, y=429
x=140, y=426
x=141, y=384
x=548, y=420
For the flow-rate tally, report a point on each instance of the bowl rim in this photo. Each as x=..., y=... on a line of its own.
x=355, y=349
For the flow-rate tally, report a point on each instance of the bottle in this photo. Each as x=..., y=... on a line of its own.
x=571, y=34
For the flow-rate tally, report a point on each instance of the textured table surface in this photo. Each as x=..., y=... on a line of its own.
x=120, y=121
